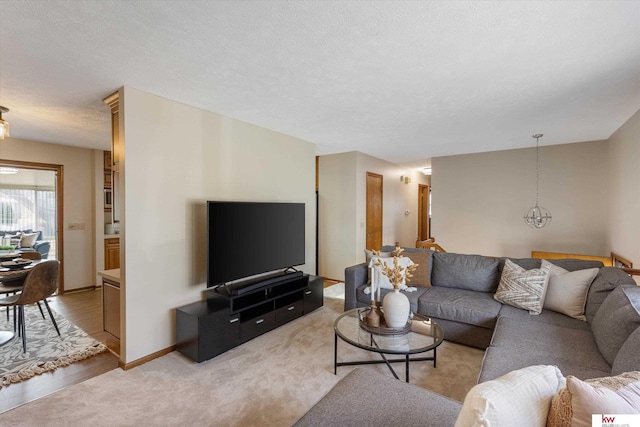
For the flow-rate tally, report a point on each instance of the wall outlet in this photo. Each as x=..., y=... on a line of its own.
x=76, y=226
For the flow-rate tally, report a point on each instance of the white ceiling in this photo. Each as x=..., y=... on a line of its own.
x=400, y=80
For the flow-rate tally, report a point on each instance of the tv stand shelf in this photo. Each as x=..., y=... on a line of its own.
x=205, y=329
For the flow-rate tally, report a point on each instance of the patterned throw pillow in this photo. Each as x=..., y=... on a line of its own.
x=523, y=288
x=573, y=405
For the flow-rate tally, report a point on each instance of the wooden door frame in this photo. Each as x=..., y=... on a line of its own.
x=421, y=212
x=375, y=175
x=59, y=170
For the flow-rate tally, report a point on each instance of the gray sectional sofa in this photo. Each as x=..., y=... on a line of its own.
x=461, y=299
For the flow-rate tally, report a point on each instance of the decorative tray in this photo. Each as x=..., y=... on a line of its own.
x=383, y=329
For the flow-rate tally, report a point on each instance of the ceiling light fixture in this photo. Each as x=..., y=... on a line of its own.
x=8, y=171
x=427, y=170
x=537, y=216
x=4, y=125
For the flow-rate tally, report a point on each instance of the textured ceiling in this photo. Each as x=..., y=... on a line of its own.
x=400, y=80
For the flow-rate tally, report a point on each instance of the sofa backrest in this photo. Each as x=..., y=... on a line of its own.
x=471, y=272
x=26, y=231
x=607, y=279
x=568, y=264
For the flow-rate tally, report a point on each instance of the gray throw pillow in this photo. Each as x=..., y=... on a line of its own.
x=616, y=319
x=471, y=272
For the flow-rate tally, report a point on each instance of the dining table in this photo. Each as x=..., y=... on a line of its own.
x=12, y=270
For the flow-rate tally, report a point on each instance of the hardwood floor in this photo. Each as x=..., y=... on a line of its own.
x=85, y=310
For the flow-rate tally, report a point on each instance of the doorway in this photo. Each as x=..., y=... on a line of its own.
x=374, y=211
x=424, y=212
x=33, y=198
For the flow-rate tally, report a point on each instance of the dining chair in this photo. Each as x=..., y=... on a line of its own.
x=32, y=255
x=40, y=283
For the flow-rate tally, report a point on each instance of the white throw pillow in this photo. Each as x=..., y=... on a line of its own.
x=368, y=255
x=27, y=240
x=575, y=404
x=523, y=288
x=383, y=281
x=567, y=290
x=520, y=398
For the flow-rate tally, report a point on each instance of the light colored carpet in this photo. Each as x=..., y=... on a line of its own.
x=46, y=351
x=269, y=381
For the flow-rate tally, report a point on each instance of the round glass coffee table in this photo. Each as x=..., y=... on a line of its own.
x=425, y=335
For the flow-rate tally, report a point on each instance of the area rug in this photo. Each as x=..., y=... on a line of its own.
x=46, y=351
x=271, y=380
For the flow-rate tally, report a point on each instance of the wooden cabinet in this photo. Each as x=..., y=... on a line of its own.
x=111, y=253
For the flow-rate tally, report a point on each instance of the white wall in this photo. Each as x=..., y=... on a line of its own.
x=479, y=200
x=343, y=197
x=78, y=202
x=177, y=157
x=337, y=209
x=623, y=229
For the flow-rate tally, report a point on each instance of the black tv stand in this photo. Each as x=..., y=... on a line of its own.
x=233, y=315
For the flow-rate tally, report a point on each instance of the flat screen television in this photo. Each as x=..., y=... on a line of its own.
x=250, y=238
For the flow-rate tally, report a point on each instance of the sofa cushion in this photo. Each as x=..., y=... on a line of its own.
x=575, y=404
x=517, y=343
x=502, y=360
x=470, y=272
x=520, y=398
x=607, y=280
x=628, y=358
x=365, y=299
x=364, y=397
x=567, y=290
x=459, y=305
x=523, y=288
x=616, y=319
x=547, y=316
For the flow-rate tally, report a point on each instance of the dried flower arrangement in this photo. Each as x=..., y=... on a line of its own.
x=396, y=274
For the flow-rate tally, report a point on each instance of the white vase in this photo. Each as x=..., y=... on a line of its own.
x=396, y=309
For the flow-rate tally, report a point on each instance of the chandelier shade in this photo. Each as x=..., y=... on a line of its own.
x=4, y=125
x=537, y=217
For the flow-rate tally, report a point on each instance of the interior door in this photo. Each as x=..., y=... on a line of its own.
x=424, y=231
x=374, y=211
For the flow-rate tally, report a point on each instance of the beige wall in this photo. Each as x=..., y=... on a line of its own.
x=342, y=192
x=623, y=231
x=176, y=158
x=78, y=202
x=479, y=200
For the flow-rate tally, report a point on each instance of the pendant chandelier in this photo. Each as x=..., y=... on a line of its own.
x=537, y=216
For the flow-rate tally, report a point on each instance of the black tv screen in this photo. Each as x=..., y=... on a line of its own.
x=247, y=238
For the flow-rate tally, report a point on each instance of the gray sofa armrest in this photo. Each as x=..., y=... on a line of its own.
x=366, y=397
x=354, y=277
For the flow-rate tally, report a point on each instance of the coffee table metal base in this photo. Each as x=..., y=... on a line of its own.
x=385, y=360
